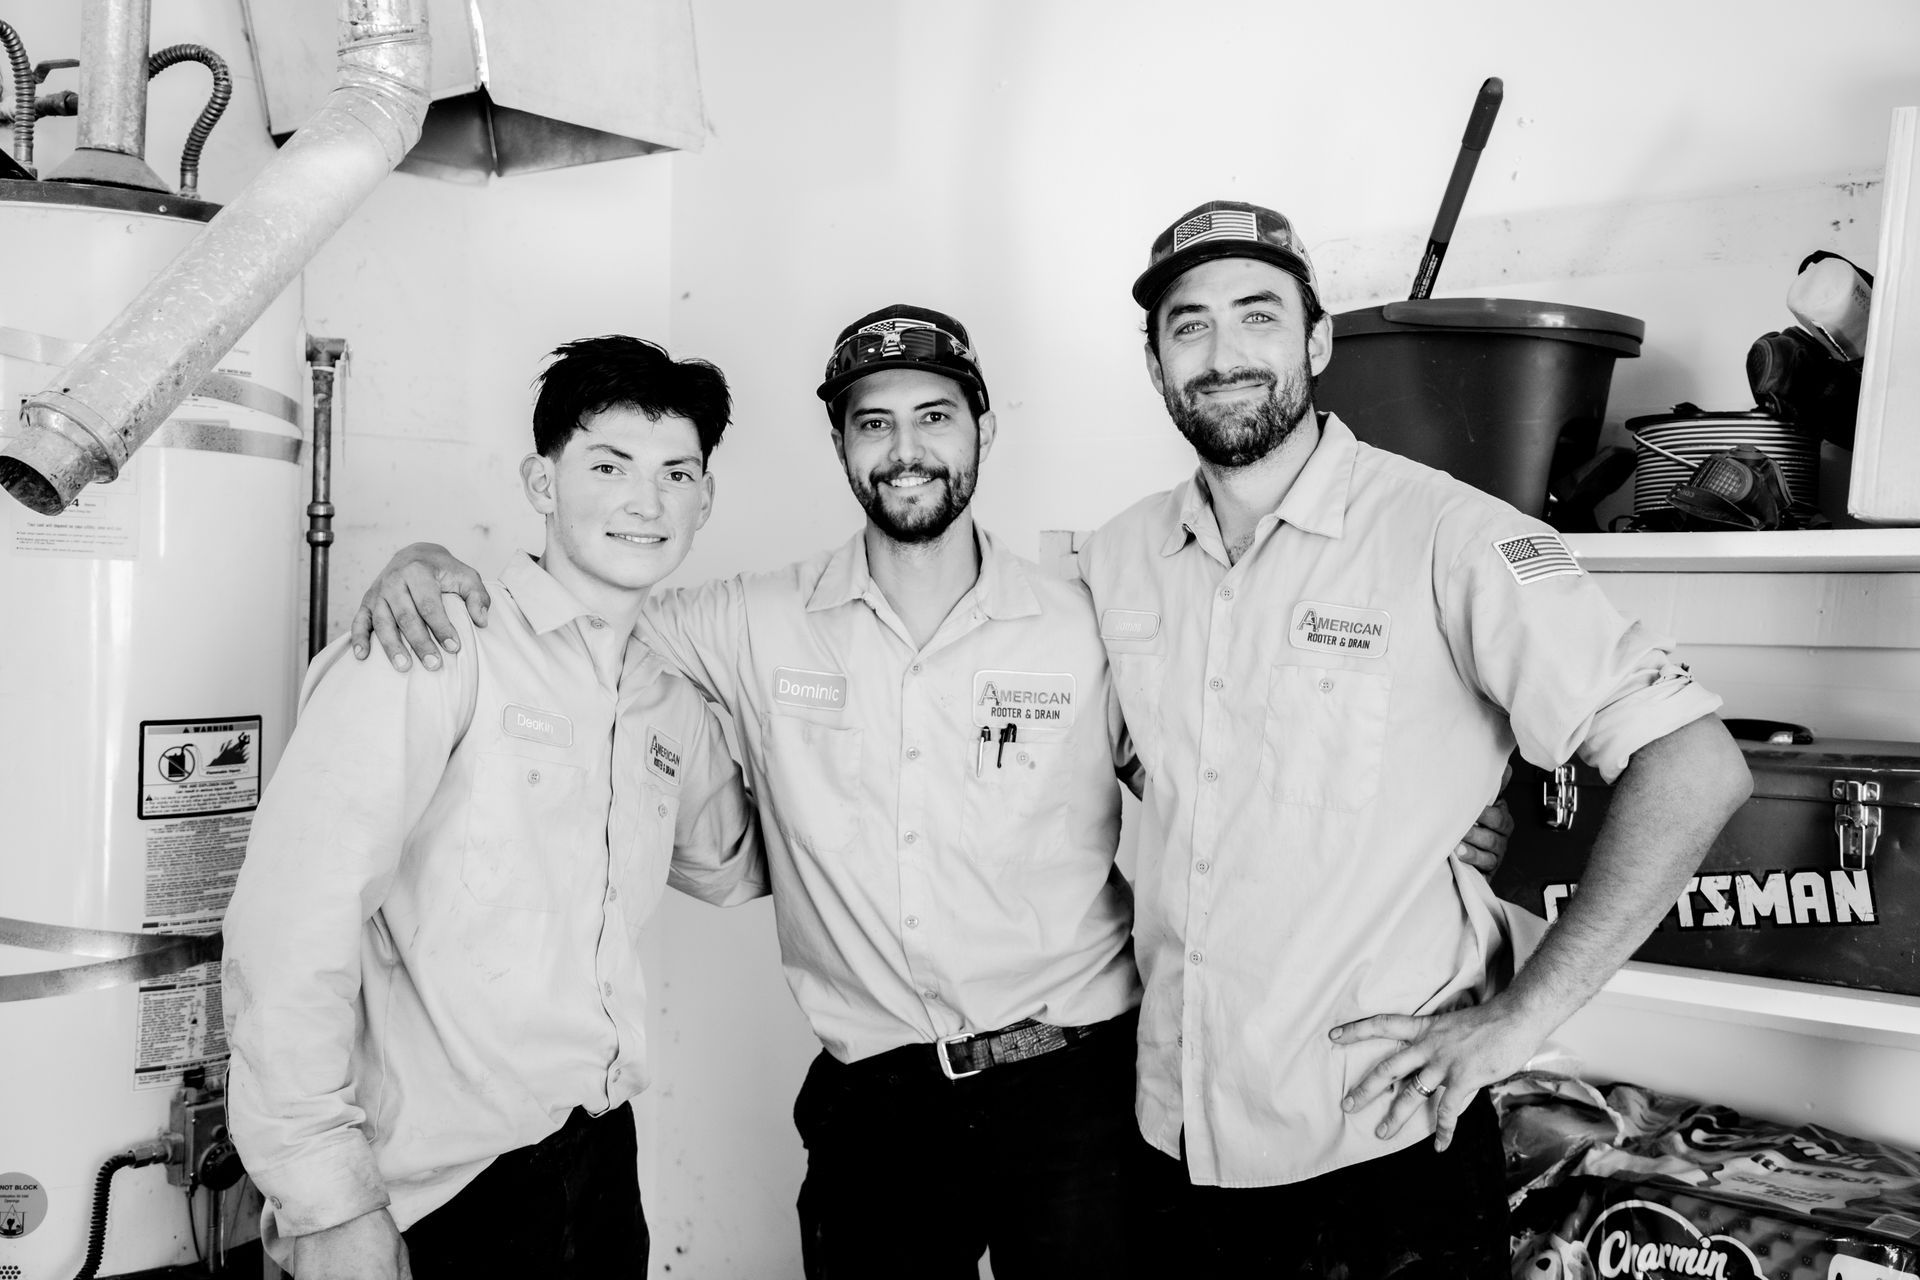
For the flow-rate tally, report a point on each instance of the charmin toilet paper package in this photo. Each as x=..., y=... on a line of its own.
x=1627, y=1182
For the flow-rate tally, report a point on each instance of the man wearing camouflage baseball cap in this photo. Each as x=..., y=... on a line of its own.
x=1326, y=653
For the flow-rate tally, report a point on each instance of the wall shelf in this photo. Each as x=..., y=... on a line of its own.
x=1796, y=551
x=1834, y=1013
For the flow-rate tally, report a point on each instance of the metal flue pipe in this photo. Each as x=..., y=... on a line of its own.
x=112, y=142
x=138, y=370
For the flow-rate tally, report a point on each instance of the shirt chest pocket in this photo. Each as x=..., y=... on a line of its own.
x=1016, y=803
x=815, y=769
x=521, y=849
x=1326, y=733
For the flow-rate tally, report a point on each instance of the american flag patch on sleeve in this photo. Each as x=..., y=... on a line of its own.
x=1537, y=556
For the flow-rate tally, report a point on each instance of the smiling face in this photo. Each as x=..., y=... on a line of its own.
x=622, y=501
x=1236, y=358
x=912, y=450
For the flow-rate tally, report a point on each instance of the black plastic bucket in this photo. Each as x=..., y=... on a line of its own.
x=1504, y=394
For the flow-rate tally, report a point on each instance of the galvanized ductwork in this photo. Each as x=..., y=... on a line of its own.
x=138, y=370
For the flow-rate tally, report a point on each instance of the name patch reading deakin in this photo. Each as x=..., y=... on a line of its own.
x=820, y=690
x=1339, y=628
x=534, y=725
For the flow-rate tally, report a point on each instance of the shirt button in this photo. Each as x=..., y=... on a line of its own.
x=616, y=1073
x=912, y=836
x=1326, y=686
x=915, y=668
x=1203, y=866
x=533, y=777
x=1216, y=683
x=606, y=989
x=276, y=1203
x=913, y=922
x=598, y=624
x=613, y=890
x=931, y=994
x=1226, y=593
x=1023, y=758
x=662, y=810
x=1194, y=956
x=1211, y=775
x=1180, y=1040
x=913, y=753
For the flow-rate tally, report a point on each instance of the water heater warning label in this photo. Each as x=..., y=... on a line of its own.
x=194, y=768
x=23, y=1205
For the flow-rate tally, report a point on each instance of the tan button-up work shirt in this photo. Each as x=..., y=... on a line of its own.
x=926, y=882
x=432, y=951
x=1319, y=722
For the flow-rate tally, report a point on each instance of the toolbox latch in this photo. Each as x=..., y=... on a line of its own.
x=1856, y=821
x=1560, y=798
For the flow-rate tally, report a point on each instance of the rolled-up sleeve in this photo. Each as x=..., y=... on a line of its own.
x=370, y=748
x=717, y=853
x=1572, y=674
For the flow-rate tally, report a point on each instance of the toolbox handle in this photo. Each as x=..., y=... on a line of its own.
x=1779, y=732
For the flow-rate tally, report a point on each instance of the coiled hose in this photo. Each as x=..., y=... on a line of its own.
x=209, y=115
x=23, y=83
x=146, y=1153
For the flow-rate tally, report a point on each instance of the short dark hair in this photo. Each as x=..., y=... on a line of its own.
x=591, y=375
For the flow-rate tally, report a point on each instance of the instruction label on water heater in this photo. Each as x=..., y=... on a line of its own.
x=179, y=1023
x=195, y=768
x=102, y=524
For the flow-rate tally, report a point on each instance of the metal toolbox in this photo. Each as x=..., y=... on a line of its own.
x=1815, y=878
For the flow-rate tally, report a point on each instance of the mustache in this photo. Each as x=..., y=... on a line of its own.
x=885, y=475
x=1221, y=379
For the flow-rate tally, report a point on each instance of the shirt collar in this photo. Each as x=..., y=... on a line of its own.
x=544, y=603
x=1316, y=501
x=1003, y=589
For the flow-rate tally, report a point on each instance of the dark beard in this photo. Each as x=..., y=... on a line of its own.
x=923, y=525
x=1236, y=437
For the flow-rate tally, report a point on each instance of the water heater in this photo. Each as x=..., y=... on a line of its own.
x=149, y=659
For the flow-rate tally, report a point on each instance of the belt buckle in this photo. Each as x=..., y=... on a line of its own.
x=946, y=1063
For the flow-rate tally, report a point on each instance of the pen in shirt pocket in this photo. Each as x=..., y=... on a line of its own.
x=980, y=750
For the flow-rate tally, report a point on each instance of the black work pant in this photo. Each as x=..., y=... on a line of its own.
x=566, y=1207
x=912, y=1174
x=1417, y=1214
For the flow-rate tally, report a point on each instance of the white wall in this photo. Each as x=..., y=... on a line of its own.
x=1010, y=162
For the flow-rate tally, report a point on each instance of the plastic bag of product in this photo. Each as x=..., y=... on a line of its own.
x=1626, y=1181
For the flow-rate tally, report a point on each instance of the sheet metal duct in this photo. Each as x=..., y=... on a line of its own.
x=517, y=87
x=131, y=376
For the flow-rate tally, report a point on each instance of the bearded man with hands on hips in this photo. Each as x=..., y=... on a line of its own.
x=1324, y=652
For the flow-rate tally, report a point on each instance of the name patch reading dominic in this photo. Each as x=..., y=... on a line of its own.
x=820, y=690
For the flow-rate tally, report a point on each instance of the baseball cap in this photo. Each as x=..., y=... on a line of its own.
x=904, y=337
x=1222, y=229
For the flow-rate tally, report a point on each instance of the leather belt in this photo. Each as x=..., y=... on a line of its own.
x=968, y=1055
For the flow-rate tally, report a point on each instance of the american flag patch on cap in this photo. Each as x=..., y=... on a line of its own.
x=1537, y=556
x=1216, y=224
